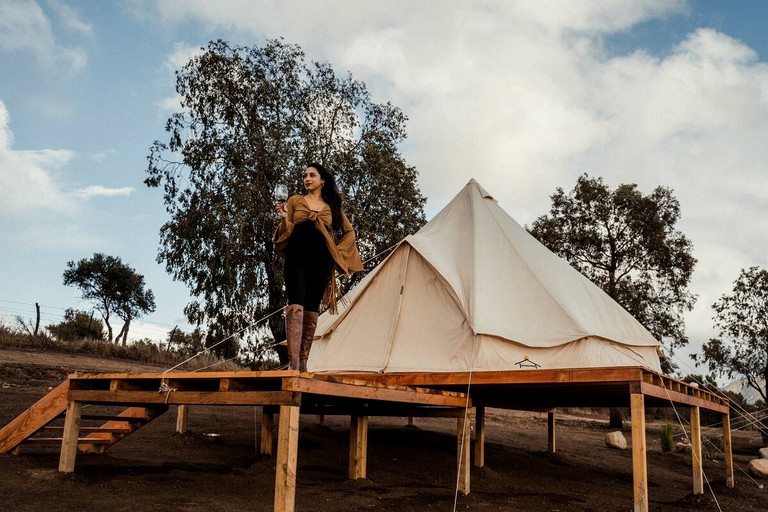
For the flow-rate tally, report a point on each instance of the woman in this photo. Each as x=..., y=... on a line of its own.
x=305, y=238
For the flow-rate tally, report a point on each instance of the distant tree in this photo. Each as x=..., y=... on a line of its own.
x=114, y=287
x=626, y=243
x=254, y=117
x=741, y=317
x=186, y=344
x=77, y=325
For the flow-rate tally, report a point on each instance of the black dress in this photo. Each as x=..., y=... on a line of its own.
x=308, y=266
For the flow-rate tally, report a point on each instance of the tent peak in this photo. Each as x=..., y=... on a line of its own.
x=484, y=193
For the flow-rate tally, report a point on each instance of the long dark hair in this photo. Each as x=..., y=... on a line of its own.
x=330, y=194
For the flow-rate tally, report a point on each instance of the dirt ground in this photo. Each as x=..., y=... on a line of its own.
x=409, y=468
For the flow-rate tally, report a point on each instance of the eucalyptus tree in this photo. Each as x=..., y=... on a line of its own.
x=250, y=118
x=628, y=245
x=741, y=319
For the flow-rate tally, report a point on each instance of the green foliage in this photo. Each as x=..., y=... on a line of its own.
x=186, y=344
x=741, y=318
x=667, y=439
x=114, y=287
x=626, y=243
x=77, y=325
x=253, y=117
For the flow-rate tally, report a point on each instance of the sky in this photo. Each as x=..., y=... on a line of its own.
x=523, y=96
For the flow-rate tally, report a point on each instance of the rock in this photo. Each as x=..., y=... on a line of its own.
x=763, y=453
x=759, y=468
x=683, y=447
x=615, y=440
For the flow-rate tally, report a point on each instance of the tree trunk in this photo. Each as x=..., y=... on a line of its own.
x=120, y=334
x=109, y=327
x=126, y=327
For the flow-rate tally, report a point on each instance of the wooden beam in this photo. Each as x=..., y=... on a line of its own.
x=70, y=437
x=682, y=398
x=462, y=451
x=504, y=376
x=186, y=397
x=287, y=457
x=552, y=442
x=479, y=437
x=728, y=451
x=182, y=419
x=639, y=461
x=696, y=462
x=370, y=392
x=358, y=447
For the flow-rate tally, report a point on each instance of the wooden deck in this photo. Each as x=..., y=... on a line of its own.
x=144, y=396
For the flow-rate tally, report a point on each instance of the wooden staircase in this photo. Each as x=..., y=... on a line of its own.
x=40, y=424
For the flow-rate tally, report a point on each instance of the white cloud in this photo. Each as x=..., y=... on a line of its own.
x=29, y=183
x=182, y=53
x=27, y=178
x=101, y=156
x=100, y=191
x=24, y=27
x=70, y=19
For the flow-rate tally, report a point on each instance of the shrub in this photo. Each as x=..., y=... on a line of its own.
x=667, y=440
x=77, y=325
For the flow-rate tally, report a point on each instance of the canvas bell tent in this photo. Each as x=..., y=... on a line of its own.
x=473, y=291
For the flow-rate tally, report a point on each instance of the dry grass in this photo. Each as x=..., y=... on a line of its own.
x=143, y=351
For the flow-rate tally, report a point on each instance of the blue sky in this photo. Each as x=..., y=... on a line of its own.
x=522, y=96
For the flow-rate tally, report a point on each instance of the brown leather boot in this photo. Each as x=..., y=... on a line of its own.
x=294, y=314
x=307, y=336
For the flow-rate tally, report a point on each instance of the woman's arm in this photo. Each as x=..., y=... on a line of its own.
x=285, y=228
x=347, y=246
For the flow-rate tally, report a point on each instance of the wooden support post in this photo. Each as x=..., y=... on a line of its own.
x=639, y=462
x=728, y=451
x=70, y=436
x=358, y=447
x=696, y=462
x=182, y=419
x=479, y=436
x=463, y=441
x=552, y=442
x=287, y=455
x=265, y=440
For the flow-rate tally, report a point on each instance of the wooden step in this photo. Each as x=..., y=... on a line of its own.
x=113, y=417
x=112, y=430
x=57, y=440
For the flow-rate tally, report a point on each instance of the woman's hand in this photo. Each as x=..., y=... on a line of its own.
x=280, y=209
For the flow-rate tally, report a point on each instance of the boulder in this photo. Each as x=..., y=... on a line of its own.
x=763, y=453
x=615, y=440
x=759, y=468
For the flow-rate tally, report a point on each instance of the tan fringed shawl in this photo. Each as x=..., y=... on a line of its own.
x=344, y=253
